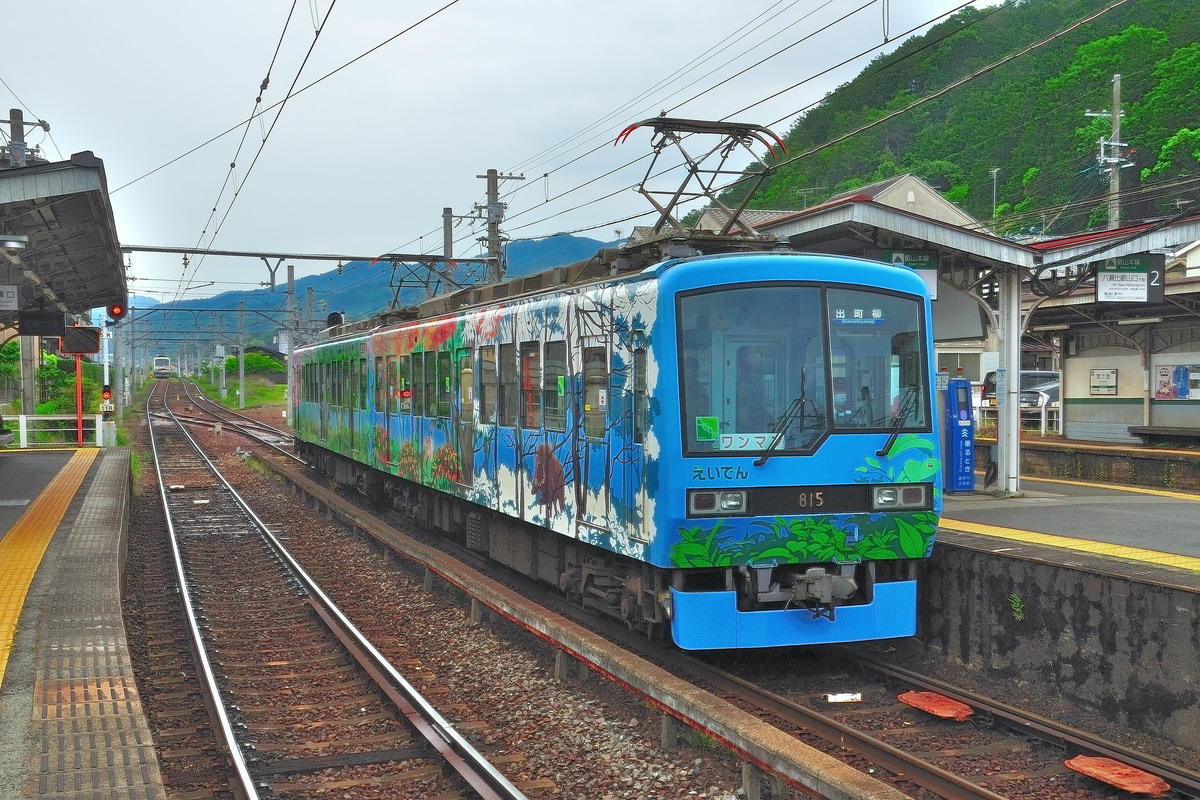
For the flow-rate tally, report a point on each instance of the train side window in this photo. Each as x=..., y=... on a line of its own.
x=381, y=384
x=595, y=392
x=431, y=387
x=362, y=383
x=444, y=384
x=639, y=395
x=531, y=385
x=402, y=386
x=466, y=385
x=509, y=400
x=487, y=384
x=554, y=386
x=388, y=380
x=418, y=385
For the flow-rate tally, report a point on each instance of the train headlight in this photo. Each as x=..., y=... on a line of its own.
x=902, y=496
x=722, y=502
x=732, y=501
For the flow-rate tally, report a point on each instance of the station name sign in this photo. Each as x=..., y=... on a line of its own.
x=925, y=262
x=1135, y=278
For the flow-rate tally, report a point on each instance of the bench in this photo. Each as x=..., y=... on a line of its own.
x=1157, y=434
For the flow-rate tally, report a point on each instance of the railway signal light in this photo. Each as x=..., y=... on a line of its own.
x=106, y=393
x=116, y=311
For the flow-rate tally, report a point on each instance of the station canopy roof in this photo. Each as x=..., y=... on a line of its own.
x=58, y=240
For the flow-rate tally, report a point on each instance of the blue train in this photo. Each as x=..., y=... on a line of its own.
x=735, y=451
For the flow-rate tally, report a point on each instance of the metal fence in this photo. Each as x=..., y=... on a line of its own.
x=54, y=430
x=1043, y=419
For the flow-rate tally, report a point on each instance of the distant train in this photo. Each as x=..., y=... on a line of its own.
x=162, y=367
x=734, y=451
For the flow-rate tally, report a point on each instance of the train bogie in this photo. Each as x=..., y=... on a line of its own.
x=737, y=448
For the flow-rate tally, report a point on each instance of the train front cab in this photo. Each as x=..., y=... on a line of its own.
x=793, y=528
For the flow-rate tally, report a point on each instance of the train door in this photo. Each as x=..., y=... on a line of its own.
x=593, y=476
x=533, y=449
x=508, y=435
x=753, y=386
x=487, y=403
x=351, y=376
x=401, y=403
x=465, y=406
x=324, y=399
x=628, y=484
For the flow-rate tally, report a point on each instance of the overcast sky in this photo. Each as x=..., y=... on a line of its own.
x=409, y=102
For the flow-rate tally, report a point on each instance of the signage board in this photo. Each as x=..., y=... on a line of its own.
x=925, y=262
x=79, y=341
x=8, y=298
x=41, y=323
x=1177, y=382
x=1136, y=278
x=1102, y=382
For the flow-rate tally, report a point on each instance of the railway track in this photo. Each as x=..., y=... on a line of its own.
x=999, y=752
x=1003, y=753
x=303, y=702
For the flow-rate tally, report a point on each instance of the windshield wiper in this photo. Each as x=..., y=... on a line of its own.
x=908, y=402
x=795, y=409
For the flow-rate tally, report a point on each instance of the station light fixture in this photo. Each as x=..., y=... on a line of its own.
x=1043, y=328
x=11, y=246
x=1140, y=321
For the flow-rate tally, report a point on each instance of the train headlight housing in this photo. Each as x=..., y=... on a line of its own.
x=904, y=496
x=717, y=502
x=732, y=501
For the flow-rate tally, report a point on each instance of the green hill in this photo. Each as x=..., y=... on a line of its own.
x=1026, y=118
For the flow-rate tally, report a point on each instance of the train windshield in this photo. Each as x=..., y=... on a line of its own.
x=779, y=367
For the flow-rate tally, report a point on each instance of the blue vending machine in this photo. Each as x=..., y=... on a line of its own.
x=960, y=439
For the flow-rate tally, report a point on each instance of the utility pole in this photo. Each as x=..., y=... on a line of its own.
x=1110, y=155
x=995, y=171
x=293, y=327
x=495, y=215
x=241, y=354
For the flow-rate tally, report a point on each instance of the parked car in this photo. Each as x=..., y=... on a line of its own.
x=1039, y=395
x=1029, y=379
x=6, y=436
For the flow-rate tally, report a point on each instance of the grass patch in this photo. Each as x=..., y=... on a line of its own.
x=259, y=391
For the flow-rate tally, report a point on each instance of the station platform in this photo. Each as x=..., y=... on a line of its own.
x=71, y=722
x=1154, y=527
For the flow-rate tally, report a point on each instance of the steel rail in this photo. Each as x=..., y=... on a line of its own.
x=224, y=726
x=1048, y=729
x=929, y=776
x=467, y=762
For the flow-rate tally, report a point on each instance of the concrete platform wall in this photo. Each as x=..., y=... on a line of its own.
x=1127, y=648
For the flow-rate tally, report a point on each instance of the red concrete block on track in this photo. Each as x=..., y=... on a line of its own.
x=936, y=704
x=1122, y=776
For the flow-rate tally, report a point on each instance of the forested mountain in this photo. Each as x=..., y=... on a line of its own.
x=1026, y=118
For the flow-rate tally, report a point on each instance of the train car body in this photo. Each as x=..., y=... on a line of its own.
x=162, y=367
x=737, y=449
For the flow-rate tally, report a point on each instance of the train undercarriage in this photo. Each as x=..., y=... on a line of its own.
x=623, y=588
x=636, y=593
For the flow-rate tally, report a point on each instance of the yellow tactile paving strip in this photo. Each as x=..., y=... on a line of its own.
x=1086, y=545
x=1095, y=548
x=21, y=550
